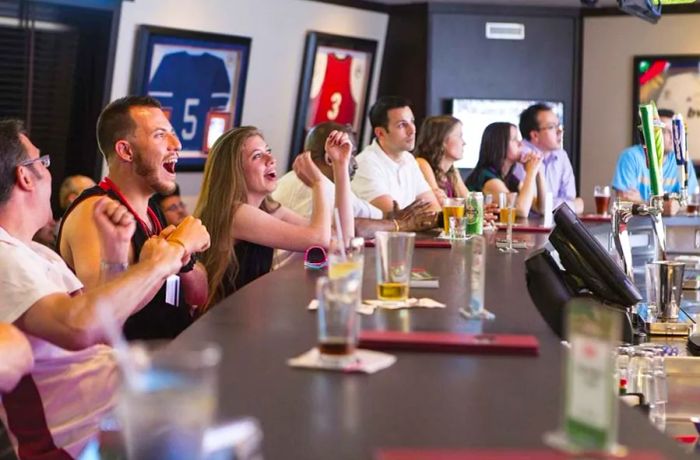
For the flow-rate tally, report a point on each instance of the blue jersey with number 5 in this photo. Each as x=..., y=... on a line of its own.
x=191, y=85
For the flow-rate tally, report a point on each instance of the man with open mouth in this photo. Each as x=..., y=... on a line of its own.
x=141, y=150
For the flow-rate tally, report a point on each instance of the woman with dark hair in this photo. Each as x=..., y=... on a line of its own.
x=499, y=152
x=246, y=224
x=439, y=145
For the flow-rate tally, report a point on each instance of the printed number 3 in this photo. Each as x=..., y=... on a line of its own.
x=336, y=99
x=188, y=135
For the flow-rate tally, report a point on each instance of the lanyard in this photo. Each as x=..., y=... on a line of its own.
x=107, y=185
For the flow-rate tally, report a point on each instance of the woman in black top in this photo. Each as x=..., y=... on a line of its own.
x=500, y=150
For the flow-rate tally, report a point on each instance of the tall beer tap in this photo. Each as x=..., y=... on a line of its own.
x=623, y=211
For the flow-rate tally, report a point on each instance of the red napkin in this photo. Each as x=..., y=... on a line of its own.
x=594, y=218
x=496, y=344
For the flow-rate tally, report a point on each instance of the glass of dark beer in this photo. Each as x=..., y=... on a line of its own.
x=601, y=193
x=693, y=204
x=338, y=300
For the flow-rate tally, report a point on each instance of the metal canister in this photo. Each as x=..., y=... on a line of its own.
x=474, y=212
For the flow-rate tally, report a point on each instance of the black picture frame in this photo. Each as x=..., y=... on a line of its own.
x=328, y=105
x=193, y=74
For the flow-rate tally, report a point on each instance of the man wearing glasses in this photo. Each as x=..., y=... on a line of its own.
x=54, y=410
x=542, y=133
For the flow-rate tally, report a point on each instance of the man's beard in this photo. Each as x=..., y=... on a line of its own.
x=150, y=174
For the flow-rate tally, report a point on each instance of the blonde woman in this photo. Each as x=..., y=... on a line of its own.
x=245, y=224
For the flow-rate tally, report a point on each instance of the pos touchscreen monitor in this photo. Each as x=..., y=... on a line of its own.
x=590, y=265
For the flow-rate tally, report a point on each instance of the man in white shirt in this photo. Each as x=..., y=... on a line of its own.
x=292, y=193
x=54, y=410
x=386, y=170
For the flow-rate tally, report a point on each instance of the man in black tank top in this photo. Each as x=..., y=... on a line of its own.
x=141, y=150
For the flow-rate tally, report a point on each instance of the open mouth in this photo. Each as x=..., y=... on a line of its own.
x=170, y=165
x=271, y=175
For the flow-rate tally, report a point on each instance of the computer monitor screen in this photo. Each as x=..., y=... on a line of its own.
x=477, y=114
x=583, y=257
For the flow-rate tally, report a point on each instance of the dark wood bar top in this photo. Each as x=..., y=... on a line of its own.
x=423, y=401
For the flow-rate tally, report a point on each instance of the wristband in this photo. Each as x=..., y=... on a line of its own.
x=113, y=267
x=189, y=266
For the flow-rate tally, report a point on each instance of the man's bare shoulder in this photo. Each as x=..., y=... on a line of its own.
x=81, y=214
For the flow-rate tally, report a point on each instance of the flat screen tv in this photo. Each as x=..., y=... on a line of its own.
x=477, y=114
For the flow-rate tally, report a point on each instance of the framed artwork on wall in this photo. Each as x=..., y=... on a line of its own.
x=336, y=78
x=672, y=82
x=199, y=78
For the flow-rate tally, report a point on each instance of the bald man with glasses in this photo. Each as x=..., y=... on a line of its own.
x=542, y=133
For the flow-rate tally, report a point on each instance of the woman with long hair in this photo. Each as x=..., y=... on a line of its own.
x=246, y=224
x=439, y=145
x=499, y=152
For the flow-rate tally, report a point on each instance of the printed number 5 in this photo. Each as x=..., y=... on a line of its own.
x=336, y=99
x=188, y=135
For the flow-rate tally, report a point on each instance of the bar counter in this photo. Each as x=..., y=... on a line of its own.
x=423, y=401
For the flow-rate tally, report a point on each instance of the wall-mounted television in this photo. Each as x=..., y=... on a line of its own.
x=477, y=114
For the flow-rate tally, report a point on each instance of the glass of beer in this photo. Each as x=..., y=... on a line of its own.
x=452, y=207
x=601, y=193
x=693, y=204
x=506, y=211
x=350, y=262
x=394, y=256
x=338, y=300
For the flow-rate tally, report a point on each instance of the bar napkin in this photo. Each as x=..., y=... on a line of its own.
x=363, y=361
x=367, y=307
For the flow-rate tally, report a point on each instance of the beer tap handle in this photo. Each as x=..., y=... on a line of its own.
x=621, y=214
x=680, y=150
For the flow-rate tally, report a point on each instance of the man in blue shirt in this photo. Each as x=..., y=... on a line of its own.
x=631, y=181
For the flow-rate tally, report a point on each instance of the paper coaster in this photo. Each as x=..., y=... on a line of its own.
x=368, y=306
x=362, y=361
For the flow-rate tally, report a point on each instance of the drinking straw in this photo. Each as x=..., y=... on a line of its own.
x=339, y=234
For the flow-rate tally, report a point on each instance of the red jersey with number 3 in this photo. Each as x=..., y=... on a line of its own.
x=335, y=101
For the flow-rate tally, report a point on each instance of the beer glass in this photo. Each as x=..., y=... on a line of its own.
x=693, y=204
x=452, y=207
x=601, y=193
x=169, y=402
x=394, y=255
x=338, y=300
x=509, y=213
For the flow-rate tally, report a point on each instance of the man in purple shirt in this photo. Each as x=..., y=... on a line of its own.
x=542, y=133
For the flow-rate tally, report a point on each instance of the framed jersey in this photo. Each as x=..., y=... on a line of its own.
x=200, y=80
x=335, y=81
